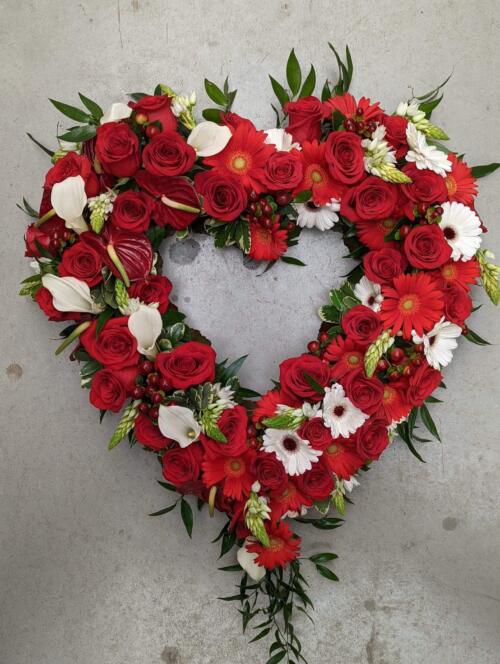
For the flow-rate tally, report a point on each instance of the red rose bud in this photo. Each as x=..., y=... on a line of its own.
x=304, y=119
x=157, y=108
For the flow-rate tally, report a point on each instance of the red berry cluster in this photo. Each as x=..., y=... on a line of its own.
x=151, y=388
x=263, y=209
x=59, y=239
x=359, y=125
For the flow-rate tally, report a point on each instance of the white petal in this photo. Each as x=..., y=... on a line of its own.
x=68, y=198
x=115, y=112
x=247, y=560
x=70, y=294
x=281, y=139
x=178, y=423
x=145, y=325
x=209, y=138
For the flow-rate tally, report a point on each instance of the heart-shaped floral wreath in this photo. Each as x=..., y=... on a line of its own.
x=404, y=204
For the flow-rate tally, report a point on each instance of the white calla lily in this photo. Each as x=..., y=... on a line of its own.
x=70, y=294
x=116, y=112
x=209, y=138
x=281, y=139
x=179, y=424
x=145, y=325
x=247, y=560
x=68, y=199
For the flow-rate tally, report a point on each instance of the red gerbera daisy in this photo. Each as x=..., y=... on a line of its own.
x=413, y=302
x=341, y=458
x=393, y=407
x=283, y=547
x=317, y=176
x=289, y=499
x=347, y=105
x=232, y=472
x=460, y=183
x=346, y=354
x=372, y=233
x=244, y=156
x=267, y=244
x=462, y=273
x=266, y=406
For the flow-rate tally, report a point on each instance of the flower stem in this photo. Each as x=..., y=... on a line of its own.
x=48, y=215
x=72, y=336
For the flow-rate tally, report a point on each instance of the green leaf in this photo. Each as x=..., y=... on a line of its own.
x=327, y=573
x=42, y=147
x=303, y=196
x=476, y=339
x=234, y=367
x=136, y=96
x=293, y=73
x=187, y=516
x=261, y=635
x=212, y=114
x=404, y=434
x=230, y=568
x=277, y=657
x=215, y=93
x=172, y=316
x=165, y=510
x=428, y=421
x=316, y=386
x=94, y=108
x=102, y=319
x=71, y=111
x=309, y=84
x=323, y=557
x=329, y=314
x=79, y=134
x=292, y=261
x=326, y=93
x=167, y=485
x=280, y=92
x=87, y=372
x=482, y=171
x=428, y=106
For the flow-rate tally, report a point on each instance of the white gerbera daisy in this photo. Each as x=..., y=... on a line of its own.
x=462, y=230
x=439, y=343
x=423, y=154
x=295, y=454
x=339, y=413
x=321, y=217
x=369, y=293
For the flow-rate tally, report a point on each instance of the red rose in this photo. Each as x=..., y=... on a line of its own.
x=177, y=190
x=316, y=483
x=457, y=304
x=35, y=238
x=83, y=262
x=426, y=187
x=283, y=171
x=132, y=211
x=361, y=324
x=422, y=384
x=117, y=149
x=233, y=423
x=114, y=346
x=372, y=199
x=71, y=165
x=365, y=393
x=45, y=302
x=224, y=197
x=426, y=247
x=345, y=157
x=371, y=439
x=155, y=288
x=304, y=119
x=157, y=108
x=189, y=364
x=382, y=265
x=182, y=465
x=295, y=388
x=110, y=387
x=168, y=154
x=316, y=433
x=269, y=471
x=149, y=434
x=395, y=133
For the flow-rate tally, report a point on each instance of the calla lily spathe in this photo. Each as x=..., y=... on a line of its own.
x=209, y=138
x=70, y=294
x=281, y=139
x=247, y=560
x=178, y=423
x=116, y=112
x=68, y=198
x=145, y=325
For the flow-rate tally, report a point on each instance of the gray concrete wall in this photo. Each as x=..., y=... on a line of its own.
x=85, y=576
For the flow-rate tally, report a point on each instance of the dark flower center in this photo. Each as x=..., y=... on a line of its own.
x=338, y=411
x=290, y=444
x=449, y=233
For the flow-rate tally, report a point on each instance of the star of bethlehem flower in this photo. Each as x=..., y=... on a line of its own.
x=339, y=413
x=410, y=110
x=439, y=343
x=179, y=424
x=377, y=151
x=462, y=229
x=369, y=293
x=281, y=139
x=295, y=454
x=322, y=217
x=423, y=154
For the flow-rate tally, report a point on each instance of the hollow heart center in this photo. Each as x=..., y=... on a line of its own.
x=269, y=317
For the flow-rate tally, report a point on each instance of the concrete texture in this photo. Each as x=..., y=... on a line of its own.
x=85, y=576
